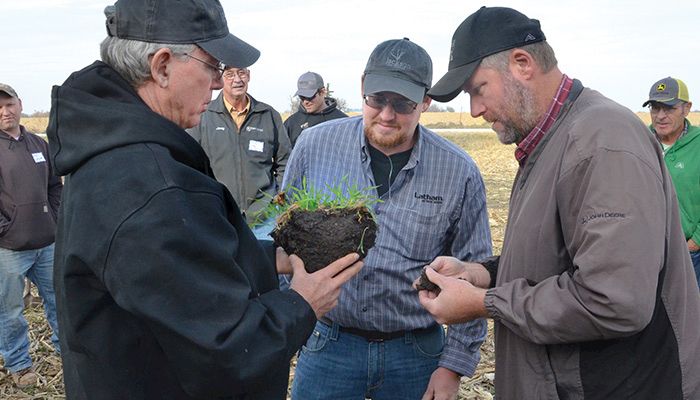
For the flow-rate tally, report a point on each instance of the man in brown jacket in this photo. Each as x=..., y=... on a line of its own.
x=593, y=295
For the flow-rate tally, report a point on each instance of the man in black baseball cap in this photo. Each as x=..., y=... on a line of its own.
x=488, y=31
x=163, y=292
x=594, y=265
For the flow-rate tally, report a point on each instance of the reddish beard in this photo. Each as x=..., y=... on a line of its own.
x=396, y=139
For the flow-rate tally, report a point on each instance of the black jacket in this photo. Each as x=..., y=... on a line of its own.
x=29, y=192
x=301, y=120
x=162, y=290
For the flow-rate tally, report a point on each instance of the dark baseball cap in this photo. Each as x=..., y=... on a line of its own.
x=488, y=31
x=8, y=89
x=200, y=22
x=399, y=66
x=669, y=91
x=308, y=84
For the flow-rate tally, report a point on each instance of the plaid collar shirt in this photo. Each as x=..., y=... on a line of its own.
x=533, y=138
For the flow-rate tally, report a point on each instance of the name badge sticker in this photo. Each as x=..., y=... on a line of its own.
x=255, y=145
x=38, y=157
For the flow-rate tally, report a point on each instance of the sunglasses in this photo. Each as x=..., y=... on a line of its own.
x=302, y=98
x=400, y=106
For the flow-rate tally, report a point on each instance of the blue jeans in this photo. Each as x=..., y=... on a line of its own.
x=695, y=256
x=336, y=365
x=37, y=265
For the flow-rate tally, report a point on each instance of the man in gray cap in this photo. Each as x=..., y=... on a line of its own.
x=29, y=197
x=162, y=290
x=314, y=106
x=379, y=342
x=669, y=105
x=593, y=295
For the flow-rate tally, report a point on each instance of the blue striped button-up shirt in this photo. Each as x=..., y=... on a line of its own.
x=436, y=206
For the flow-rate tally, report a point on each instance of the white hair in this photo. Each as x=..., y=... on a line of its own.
x=130, y=58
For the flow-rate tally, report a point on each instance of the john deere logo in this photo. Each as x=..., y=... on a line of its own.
x=661, y=87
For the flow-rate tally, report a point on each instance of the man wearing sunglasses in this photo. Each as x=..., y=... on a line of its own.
x=314, y=106
x=379, y=342
x=669, y=105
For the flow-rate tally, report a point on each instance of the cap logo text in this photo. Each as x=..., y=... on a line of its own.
x=395, y=62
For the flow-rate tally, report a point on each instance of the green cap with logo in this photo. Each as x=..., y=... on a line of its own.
x=668, y=91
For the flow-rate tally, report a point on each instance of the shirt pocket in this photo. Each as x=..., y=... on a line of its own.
x=422, y=233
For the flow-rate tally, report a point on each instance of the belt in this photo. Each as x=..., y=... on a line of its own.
x=375, y=336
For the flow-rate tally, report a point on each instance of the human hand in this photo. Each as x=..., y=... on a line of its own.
x=474, y=273
x=443, y=385
x=322, y=288
x=692, y=246
x=284, y=266
x=459, y=301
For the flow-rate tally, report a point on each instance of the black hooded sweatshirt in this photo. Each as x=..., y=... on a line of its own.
x=301, y=120
x=162, y=290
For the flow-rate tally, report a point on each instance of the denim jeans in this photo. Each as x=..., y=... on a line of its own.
x=695, y=256
x=37, y=265
x=335, y=365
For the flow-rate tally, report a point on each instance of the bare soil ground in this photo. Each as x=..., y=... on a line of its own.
x=497, y=166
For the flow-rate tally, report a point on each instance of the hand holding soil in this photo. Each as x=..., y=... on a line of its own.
x=322, y=288
x=471, y=272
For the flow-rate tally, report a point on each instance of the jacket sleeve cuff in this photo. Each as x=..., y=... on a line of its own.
x=491, y=265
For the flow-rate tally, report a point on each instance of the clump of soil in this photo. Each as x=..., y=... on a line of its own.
x=324, y=235
x=425, y=284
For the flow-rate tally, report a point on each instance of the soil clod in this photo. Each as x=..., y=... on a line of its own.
x=322, y=236
x=425, y=284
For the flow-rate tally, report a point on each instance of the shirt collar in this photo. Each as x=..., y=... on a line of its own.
x=527, y=145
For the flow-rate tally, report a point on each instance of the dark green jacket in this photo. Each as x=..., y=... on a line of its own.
x=249, y=162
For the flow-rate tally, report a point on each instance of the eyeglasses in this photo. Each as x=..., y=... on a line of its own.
x=304, y=98
x=218, y=69
x=240, y=73
x=400, y=106
x=655, y=108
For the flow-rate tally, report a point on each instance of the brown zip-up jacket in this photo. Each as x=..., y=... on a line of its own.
x=29, y=192
x=595, y=295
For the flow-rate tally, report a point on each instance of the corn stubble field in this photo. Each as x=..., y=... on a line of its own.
x=498, y=168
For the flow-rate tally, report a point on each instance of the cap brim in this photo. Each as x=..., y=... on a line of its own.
x=450, y=85
x=306, y=92
x=231, y=51
x=375, y=83
x=670, y=102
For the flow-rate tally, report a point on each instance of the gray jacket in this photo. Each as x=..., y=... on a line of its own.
x=595, y=295
x=249, y=162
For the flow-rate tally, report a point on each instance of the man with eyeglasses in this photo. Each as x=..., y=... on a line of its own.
x=669, y=105
x=379, y=342
x=246, y=142
x=162, y=290
x=314, y=106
